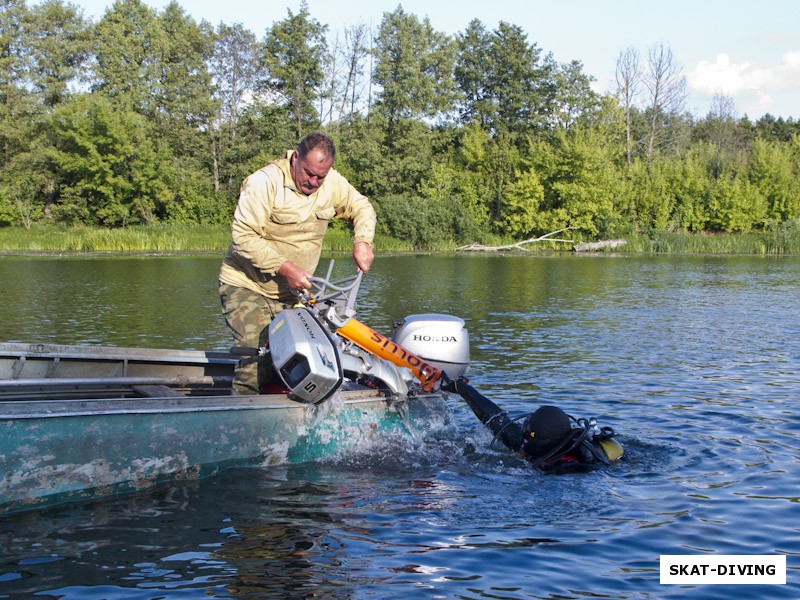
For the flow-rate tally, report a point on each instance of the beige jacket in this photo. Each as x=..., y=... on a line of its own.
x=274, y=222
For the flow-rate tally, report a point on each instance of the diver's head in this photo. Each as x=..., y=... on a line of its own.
x=544, y=430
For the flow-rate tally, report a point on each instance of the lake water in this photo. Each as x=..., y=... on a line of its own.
x=694, y=361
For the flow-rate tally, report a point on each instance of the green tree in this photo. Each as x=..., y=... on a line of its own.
x=736, y=205
x=504, y=162
x=692, y=185
x=293, y=51
x=574, y=97
x=473, y=159
x=721, y=129
x=360, y=156
x=770, y=127
x=648, y=196
x=775, y=173
x=581, y=181
x=60, y=42
x=128, y=48
x=186, y=105
x=383, y=164
x=26, y=176
x=15, y=101
x=506, y=84
x=487, y=166
x=154, y=66
x=426, y=224
x=414, y=69
x=265, y=131
x=521, y=201
x=111, y=172
x=476, y=103
x=26, y=187
x=185, y=115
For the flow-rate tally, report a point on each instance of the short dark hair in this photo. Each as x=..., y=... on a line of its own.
x=316, y=141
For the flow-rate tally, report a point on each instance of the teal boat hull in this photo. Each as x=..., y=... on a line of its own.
x=93, y=444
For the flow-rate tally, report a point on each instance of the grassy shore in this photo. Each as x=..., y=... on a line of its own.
x=163, y=238
x=783, y=239
x=159, y=238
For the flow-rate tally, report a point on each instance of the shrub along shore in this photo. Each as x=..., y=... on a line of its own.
x=163, y=238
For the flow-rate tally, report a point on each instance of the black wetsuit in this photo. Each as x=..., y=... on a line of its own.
x=576, y=451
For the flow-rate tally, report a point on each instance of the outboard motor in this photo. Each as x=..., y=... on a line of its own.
x=441, y=340
x=305, y=355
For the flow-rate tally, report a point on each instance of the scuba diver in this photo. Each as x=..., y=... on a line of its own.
x=548, y=438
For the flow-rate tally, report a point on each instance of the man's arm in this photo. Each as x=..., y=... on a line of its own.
x=356, y=208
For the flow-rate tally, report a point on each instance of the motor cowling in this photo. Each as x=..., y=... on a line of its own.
x=441, y=340
x=305, y=355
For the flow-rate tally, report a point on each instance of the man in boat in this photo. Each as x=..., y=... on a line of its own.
x=276, y=240
x=548, y=438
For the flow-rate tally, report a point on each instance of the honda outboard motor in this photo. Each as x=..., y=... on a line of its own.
x=441, y=340
x=305, y=355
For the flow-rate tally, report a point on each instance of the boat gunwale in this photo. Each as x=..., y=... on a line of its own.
x=111, y=395
x=34, y=409
x=104, y=353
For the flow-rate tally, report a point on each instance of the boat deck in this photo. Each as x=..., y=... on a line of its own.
x=60, y=372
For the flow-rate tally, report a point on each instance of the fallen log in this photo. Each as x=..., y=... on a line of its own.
x=601, y=245
x=475, y=247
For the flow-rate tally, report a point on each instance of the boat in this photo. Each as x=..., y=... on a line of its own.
x=87, y=422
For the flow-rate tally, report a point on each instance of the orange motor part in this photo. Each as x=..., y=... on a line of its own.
x=370, y=340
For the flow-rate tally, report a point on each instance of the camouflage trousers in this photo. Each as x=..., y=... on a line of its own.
x=248, y=316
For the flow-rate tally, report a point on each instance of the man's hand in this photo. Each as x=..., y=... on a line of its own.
x=363, y=256
x=296, y=277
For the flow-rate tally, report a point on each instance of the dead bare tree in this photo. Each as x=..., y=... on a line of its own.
x=345, y=64
x=330, y=92
x=357, y=51
x=629, y=79
x=666, y=85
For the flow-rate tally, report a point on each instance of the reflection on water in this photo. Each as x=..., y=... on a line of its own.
x=693, y=360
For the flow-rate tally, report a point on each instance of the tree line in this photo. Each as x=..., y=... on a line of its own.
x=146, y=116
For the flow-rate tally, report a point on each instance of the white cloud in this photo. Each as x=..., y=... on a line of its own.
x=728, y=78
x=753, y=85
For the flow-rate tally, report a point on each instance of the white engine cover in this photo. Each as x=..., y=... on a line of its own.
x=441, y=340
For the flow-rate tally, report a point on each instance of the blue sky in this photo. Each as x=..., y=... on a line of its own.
x=749, y=51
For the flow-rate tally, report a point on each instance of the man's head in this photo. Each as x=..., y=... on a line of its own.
x=311, y=162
